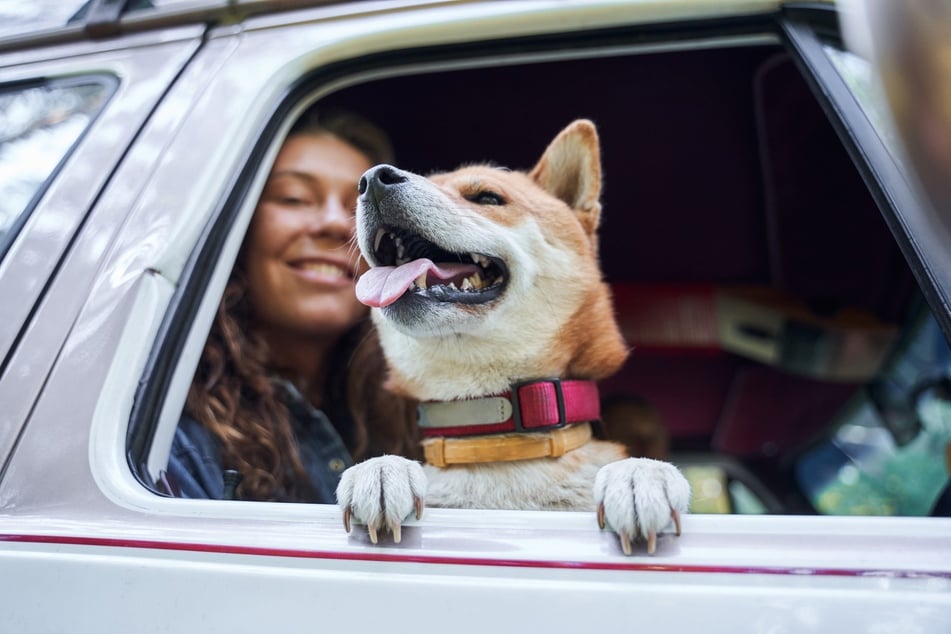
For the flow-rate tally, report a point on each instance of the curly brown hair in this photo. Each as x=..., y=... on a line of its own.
x=236, y=397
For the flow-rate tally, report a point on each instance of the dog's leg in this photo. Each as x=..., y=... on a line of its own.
x=381, y=493
x=640, y=497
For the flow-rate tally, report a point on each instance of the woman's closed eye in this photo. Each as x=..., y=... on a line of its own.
x=293, y=190
x=295, y=201
x=294, y=197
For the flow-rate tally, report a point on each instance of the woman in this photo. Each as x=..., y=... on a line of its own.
x=288, y=391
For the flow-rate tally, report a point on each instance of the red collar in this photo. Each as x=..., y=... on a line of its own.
x=537, y=405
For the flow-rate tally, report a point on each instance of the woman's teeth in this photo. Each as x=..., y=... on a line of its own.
x=323, y=268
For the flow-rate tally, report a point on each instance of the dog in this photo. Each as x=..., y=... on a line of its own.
x=489, y=301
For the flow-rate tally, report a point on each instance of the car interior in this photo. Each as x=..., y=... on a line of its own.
x=729, y=204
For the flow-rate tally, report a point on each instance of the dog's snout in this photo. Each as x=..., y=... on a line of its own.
x=377, y=179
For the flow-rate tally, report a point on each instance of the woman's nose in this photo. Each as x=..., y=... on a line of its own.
x=335, y=216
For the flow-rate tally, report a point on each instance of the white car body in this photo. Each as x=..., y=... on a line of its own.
x=85, y=547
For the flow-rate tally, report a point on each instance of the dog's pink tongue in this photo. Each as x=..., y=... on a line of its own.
x=383, y=285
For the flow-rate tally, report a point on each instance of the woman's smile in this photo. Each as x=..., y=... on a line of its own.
x=323, y=271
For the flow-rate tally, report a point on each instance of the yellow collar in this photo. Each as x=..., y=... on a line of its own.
x=442, y=452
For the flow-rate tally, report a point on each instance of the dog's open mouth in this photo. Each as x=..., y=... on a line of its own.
x=407, y=263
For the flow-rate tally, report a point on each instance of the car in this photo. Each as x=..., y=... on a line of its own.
x=780, y=279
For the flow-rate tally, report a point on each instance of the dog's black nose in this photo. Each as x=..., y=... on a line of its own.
x=377, y=179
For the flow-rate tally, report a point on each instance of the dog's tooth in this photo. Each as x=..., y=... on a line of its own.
x=421, y=281
x=473, y=282
x=483, y=261
x=475, y=257
x=452, y=285
x=378, y=239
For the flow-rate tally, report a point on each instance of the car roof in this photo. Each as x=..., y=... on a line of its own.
x=40, y=22
x=27, y=23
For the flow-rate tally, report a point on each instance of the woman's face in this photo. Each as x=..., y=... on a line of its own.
x=300, y=263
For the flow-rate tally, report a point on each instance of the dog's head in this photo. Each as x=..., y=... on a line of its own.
x=484, y=264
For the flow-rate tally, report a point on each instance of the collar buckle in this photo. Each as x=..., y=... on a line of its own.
x=517, y=408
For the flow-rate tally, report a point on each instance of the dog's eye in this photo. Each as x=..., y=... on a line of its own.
x=486, y=198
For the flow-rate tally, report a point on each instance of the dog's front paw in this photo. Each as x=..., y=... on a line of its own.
x=381, y=493
x=639, y=497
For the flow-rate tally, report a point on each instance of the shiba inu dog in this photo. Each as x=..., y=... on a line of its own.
x=491, y=309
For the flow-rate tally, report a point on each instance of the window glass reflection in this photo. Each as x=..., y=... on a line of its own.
x=38, y=126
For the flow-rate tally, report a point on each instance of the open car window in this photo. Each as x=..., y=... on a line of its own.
x=761, y=289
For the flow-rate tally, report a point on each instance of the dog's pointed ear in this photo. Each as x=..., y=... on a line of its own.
x=570, y=170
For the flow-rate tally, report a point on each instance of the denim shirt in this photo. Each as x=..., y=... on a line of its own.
x=195, y=469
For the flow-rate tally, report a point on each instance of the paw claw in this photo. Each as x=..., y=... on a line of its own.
x=601, y=516
x=419, y=507
x=651, y=542
x=371, y=529
x=346, y=518
x=625, y=543
x=397, y=533
x=676, y=516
